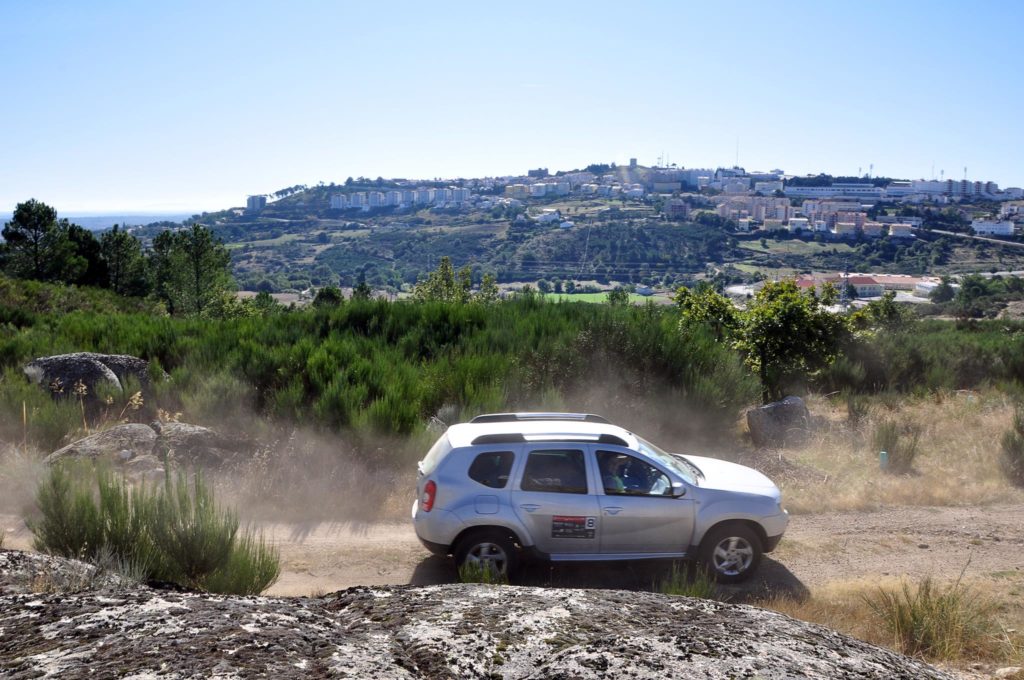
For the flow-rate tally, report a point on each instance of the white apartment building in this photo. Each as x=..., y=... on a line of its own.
x=769, y=188
x=799, y=224
x=374, y=199
x=339, y=202
x=862, y=191
x=872, y=229
x=460, y=195
x=901, y=230
x=993, y=228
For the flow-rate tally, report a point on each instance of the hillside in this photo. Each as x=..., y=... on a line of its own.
x=298, y=240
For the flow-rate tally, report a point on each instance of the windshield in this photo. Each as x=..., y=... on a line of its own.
x=673, y=463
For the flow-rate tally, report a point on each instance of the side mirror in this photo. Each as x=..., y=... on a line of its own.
x=678, y=489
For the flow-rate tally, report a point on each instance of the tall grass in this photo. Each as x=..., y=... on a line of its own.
x=177, y=532
x=481, y=573
x=935, y=622
x=1012, y=460
x=900, y=442
x=689, y=581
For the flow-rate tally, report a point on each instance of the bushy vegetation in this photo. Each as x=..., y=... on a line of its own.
x=481, y=572
x=935, y=622
x=383, y=367
x=176, y=533
x=689, y=581
x=1013, y=449
x=900, y=442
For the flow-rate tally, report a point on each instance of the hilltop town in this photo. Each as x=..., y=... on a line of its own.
x=649, y=229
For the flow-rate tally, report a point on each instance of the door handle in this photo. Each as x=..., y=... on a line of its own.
x=530, y=507
x=612, y=511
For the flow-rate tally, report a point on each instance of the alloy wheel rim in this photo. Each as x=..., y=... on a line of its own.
x=488, y=556
x=733, y=556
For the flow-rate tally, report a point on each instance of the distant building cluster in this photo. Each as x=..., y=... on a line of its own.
x=870, y=285
x=255, y=204
x=400, y=198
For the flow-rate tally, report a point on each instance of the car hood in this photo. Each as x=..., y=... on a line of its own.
x=726, y=476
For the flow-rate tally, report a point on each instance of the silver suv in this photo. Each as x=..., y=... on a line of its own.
x=572, y=487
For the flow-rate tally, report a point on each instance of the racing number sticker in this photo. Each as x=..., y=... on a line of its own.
x=569, y=526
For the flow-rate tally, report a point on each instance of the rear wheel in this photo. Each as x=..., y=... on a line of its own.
x=731, y=552
x=486, y=550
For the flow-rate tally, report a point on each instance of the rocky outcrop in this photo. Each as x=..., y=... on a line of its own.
x=197, y=445
x=779, y=423
x=60, y=373
x=23, y=572
x=449, y=631
x=141, y=449
x=117, y=444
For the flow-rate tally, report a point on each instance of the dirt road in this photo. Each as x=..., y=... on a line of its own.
x=818, y=550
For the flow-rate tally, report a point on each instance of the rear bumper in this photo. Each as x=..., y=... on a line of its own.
x=436, y=548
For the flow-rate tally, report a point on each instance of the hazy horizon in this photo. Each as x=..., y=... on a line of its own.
x=267, y=96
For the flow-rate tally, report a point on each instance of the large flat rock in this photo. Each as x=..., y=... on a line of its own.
x=448, y=631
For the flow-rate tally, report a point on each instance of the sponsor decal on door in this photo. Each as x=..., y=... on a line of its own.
x=570, y=526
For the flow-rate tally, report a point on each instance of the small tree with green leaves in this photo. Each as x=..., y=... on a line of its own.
x=442, y=285
x=786, y=334
x=329, y=296
x=619, y=297
x=488, y=292
x=126, y=266
x=703, y=305
x=191, y=269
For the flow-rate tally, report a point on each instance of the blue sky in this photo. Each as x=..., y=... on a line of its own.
x=192, y=105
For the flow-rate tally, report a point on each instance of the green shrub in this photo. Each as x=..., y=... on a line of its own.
x=933, y=622
x=481, y=573
x=1012, y=460
x=176, y=532
x=691, y=581
x=901, y=442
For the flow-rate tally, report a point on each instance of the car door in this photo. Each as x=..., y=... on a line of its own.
x=554, y=500
x=638, y=513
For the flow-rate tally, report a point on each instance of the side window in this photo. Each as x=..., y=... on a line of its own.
x=492, y=468
x=623, y=475
x=556, y=471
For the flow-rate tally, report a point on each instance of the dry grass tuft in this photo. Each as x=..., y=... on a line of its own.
x=957, y=622
x=956, y=462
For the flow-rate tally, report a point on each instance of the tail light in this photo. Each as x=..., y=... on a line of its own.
x=429, y=492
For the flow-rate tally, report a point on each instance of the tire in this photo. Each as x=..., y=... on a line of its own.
x=489, y=547
x=731, y=552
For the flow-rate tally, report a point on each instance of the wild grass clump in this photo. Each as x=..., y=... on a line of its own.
x=177, y=532
x=1012, y=460
x=475, y=572
x=934, y=622
x=900, y=441
x=689, y=581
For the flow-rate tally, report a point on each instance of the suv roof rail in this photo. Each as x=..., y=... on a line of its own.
x=514, y=417
x=517, y=438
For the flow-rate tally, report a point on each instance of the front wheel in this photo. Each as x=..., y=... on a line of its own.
x=731, y=553
x=486, y=551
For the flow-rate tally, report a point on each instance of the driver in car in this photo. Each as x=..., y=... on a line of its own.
x=613, y=474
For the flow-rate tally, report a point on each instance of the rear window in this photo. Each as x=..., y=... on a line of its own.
x=556, y=471
x=492, y=468
x=438, y=451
